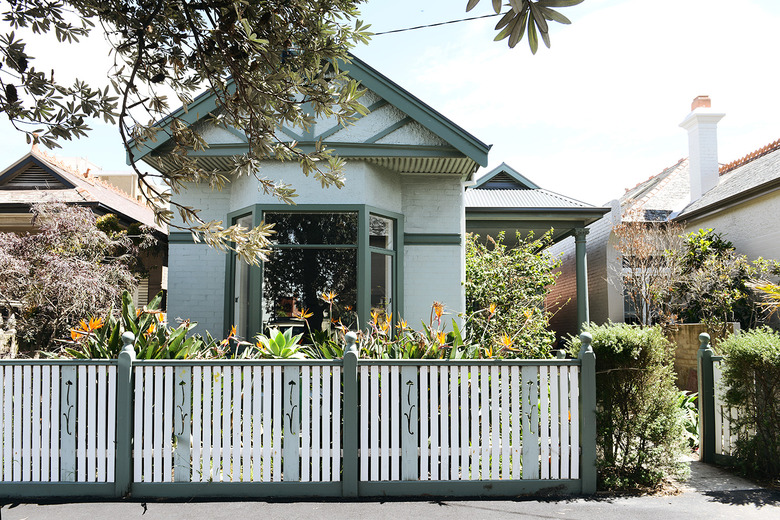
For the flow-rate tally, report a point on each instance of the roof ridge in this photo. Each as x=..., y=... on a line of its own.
x=771, y=147
x=667, y=169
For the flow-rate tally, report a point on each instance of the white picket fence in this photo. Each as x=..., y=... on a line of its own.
x=58, y=422
x=469, y=422
x=725, y=434
x=205, y=422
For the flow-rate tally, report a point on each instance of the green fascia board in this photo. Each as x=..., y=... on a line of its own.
x=203, y=105
x=421, y=112
x=583, y=216
x=523, y=181
x=370, y=78
x=342, y=149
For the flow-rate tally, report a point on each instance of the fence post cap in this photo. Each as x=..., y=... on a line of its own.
x=704, y=341
x=128, y=338
x=351, y=339
x=586, y=338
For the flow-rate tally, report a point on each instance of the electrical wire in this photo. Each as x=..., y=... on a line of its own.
x=438, y=24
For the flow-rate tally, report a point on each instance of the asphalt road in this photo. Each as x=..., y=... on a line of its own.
x=710, y=494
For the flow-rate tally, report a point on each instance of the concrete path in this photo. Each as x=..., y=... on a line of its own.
x=710, y=494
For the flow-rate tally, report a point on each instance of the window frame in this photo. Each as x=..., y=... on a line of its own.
x=364, y=250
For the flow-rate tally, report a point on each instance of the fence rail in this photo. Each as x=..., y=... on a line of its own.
x=297, y=428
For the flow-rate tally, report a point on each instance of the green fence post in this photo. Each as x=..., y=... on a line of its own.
x=588, y=415
x=706, y=399
x=349, y=471
x=124, y=417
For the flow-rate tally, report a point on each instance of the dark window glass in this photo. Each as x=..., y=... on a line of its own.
x=313, y=228
x=294, y=281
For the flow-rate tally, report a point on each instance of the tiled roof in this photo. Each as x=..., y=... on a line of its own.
x=493, y=198
x=746, y=176
x=660, y=195
x=771, y=147
x=86, y=189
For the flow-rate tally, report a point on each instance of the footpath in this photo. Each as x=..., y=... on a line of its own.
x=711, y=493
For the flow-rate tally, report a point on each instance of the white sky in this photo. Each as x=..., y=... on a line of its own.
x=595, y=114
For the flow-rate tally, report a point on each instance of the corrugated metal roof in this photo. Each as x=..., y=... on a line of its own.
x=479, y=198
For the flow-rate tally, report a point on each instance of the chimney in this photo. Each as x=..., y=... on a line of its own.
x=702, y=127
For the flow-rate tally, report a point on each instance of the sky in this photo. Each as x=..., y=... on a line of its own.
x=590, y=117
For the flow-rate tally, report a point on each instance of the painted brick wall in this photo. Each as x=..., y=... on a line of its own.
x=433, y=204
x=196, y=286
x=432, y=273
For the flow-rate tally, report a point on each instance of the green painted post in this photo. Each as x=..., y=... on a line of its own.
x=349, y=470
x=581, y=269
x=588, y=415
x=124, y=417
x=706, y=399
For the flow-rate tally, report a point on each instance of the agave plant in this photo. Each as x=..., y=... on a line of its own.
x=280, y=345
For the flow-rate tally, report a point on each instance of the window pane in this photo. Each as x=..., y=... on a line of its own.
x=381, y=283
x=381, y=232
x=313, y=228
x=295, y=279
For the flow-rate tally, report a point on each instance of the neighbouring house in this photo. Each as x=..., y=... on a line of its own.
x=38, y=176
x=504, y=200
x=737, y=199
x=391, y=240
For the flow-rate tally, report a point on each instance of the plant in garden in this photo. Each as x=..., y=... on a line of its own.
x=280, y=345
x=714, y=283
x=101, y=338
x=639, y=419
x=69, y=269
x=648, y=267
x=505, y=292
x=752, y=381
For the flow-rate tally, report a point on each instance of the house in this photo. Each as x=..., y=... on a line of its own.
x=38, y=176
x=735, y=199
x=391, y=240
x=505, y=200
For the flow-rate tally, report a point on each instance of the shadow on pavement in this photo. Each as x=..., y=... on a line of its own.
x=742, y=497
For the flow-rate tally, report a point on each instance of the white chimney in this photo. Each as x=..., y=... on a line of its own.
x=702, y=127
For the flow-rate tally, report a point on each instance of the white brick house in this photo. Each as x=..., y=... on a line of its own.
x=391, y=238
x=738, y=199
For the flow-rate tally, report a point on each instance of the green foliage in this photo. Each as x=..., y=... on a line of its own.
x=714, y=284
x=505, y=294
x=752, y=381
x=638, y=416
x=689, y=408
x=280, y=345
x=102, y=338
x=529, y=16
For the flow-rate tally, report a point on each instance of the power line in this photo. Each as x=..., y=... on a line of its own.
x=438, y=24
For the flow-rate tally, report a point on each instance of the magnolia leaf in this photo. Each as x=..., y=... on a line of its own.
x=554, y=15
x=497, y=6
x=559, y=3
x=471, y=5
x=538, y=18
x=519, y=30
x=533, y=38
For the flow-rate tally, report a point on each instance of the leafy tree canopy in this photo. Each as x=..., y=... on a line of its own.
x=263, y=60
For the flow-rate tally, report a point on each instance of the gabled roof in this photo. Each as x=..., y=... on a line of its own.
x=38, y=176
x=753, y=175
x=659, y=196
x=465, y=152
x=504, y=177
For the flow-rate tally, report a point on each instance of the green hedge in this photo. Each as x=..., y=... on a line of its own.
x=640, y=432
x=752, y=380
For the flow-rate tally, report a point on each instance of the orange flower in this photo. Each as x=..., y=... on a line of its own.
x=402, y=324
x=506, y=341
x=84, y=325
x=303, y=314
x=95, y=323
x=161, y=317
x=492, y=309
x=442, y=337
x=375, y=316
x=348, y=307
x=527, y=313
x=232, y=331
x=438, y=309
x=75, y=335
x=329, y=296
x=150, y=330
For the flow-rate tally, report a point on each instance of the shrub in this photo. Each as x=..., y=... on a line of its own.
x=67, y=270
x=640, y=433
x=505, y=292
x=752, y=380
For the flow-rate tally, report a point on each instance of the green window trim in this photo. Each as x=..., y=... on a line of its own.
x=364, y=251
